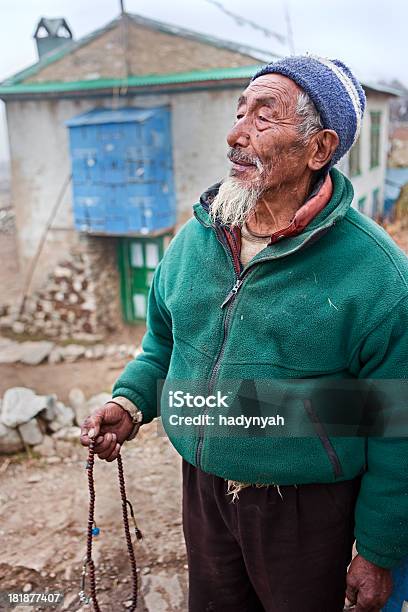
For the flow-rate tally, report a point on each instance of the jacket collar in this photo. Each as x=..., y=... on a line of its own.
x=333, y=212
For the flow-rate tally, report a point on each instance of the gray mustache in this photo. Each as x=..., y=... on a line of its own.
x=235, y=155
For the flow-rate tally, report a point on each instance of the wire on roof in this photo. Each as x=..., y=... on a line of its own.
x=242, y=21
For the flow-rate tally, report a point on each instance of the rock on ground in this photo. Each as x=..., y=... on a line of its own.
x=70, y=434
x=97, y=401
x=34, y=353
x=64, y=417
x=21, y=404
x=31, y=432
x=30, y=353
x=79, y=405
x=10, y=441
x=10, y=352
x=72, y=352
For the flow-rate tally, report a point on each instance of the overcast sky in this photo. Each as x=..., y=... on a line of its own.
x=369, y=35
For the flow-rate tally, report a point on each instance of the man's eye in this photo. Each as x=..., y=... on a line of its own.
x=262, y=118
x=239, y=116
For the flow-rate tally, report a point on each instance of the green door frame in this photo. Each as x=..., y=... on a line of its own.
x=135, y=280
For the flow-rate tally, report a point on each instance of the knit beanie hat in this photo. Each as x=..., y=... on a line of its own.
x=335, y=91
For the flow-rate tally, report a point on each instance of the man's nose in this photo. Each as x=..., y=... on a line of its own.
x=238, y=134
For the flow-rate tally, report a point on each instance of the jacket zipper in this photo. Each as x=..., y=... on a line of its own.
x=228, y=302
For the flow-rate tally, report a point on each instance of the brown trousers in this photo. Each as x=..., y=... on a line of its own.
x=263, y=553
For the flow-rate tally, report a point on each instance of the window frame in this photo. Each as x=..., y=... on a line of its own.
x=355, y=159
x=375, y=138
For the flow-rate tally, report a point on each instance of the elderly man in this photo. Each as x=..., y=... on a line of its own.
x=278, y=277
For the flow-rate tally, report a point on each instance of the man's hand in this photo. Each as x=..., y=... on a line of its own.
x=368, y=586
x=109, y=427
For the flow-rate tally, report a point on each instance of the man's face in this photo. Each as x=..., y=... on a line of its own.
x=265, y=146
x=266, y=150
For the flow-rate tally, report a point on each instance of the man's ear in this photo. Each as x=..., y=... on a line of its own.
x=323, y=145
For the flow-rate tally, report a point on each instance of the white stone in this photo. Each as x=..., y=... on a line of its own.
x=10, y=441
x=97, y=401
x=30, y=306
x=76, y=398
x=84, y=337
x=14, y=309
x=95, y=352
x=31, y=432
x=89, y=304
x=64, y=287
x=18, y=327
x=20, y=405
x=71, y=316
x=73, y=298
x=69, y=434
x=34, y=353
x=56, y=355
x=61, y=272
x=64, y=417
x=72, y=352
x=6, y=322
x=10, y=352
x=79, y=405
x=47, y=306
x=77, y=285
x=49, y=413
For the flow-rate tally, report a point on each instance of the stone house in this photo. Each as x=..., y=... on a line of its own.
x=86, y=281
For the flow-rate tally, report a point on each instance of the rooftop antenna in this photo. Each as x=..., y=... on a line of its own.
x=124, y=33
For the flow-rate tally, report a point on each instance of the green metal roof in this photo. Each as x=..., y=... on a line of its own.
x=196, y=76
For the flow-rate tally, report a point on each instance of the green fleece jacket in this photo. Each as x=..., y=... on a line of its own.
x=331, y=302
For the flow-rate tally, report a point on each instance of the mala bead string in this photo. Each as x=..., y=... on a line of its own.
x=92, y=530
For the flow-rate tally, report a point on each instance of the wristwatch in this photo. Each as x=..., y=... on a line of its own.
x=133, y=411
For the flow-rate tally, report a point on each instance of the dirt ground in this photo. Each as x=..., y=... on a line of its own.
x=43, y=519
x=43, y=506
x=44, y=501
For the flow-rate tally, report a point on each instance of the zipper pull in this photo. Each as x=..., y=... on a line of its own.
x=232, y=293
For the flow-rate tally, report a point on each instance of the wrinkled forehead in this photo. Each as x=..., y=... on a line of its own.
x=277, y=87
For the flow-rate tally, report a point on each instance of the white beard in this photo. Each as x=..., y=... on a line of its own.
x=234, y=202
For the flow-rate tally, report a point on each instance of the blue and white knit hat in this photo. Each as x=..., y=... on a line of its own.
x=335, y=91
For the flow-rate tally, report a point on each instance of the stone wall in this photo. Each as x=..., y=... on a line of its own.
x=80, y=299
